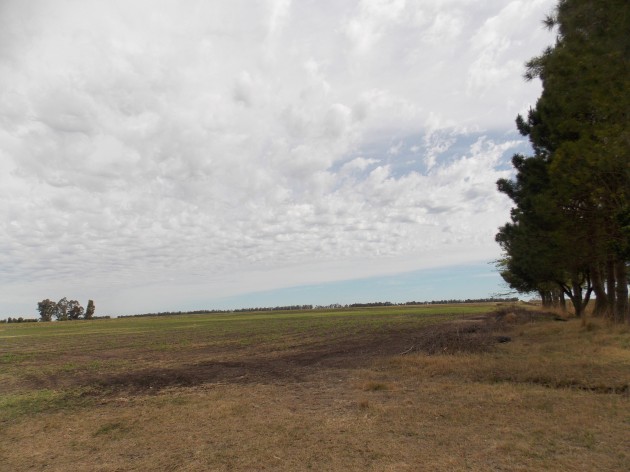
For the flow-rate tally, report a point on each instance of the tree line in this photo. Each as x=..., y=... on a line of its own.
x=65, y=310
x=237, y=310
x=569, y=232
x=21, y=319
x=320, y=307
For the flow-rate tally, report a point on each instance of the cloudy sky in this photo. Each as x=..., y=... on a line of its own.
x=159, y=155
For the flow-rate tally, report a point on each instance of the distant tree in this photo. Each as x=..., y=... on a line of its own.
x=62, y=309
x=89, y=312
x=75, y=310
x=47, y=309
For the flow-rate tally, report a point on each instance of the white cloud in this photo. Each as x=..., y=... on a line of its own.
x=356, y=165
x=445, y=28
x=372, y=20
x=497, y=40
x=202, y=150
x=279, y=14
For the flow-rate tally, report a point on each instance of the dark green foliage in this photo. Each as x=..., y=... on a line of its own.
x=569, y=226
x=75, y=310
x=62, y=310
x=47, y=309
x=89, y=312
x=21, y=319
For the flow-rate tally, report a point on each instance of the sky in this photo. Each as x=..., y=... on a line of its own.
x=165, y=155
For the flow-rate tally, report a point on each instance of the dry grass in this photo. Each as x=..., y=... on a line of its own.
x=554, y=398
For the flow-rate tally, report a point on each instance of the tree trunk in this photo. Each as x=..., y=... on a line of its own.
x=577, y=298
x=575, y=293
x=545, y=297
x=610, y=286
x=621, y=305
x=563, y=302
x=601, y=300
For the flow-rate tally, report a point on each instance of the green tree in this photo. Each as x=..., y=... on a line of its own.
x=89, y=312
x=47, y=309
x=543, y=252
x=572, y=196
x=62, y=310
x=75, y=310
x=590, y=165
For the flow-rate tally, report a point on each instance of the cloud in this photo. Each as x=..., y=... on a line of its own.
x=214, y=148
x=357, y=164
x=374, y=17
x=279, y=14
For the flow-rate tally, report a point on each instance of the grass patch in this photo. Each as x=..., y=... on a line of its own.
x=14, y=358
x=364, y=389
x=113, y=430
x=71, y=354
x=32, y=403
x=12, y=406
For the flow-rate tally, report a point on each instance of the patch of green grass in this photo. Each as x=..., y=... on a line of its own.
x=37, y=401
x=12, y=357
x=44, y=341
x=68, y=367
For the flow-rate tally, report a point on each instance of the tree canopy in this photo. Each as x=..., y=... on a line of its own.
x=569, y=228
x=64, y=310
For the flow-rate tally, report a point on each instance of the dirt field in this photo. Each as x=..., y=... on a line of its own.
x=514, y=390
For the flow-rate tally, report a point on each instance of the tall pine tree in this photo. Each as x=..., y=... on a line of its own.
x=570, y=224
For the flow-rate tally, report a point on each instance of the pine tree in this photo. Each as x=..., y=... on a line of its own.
x=571, y=227
x=89, y=312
